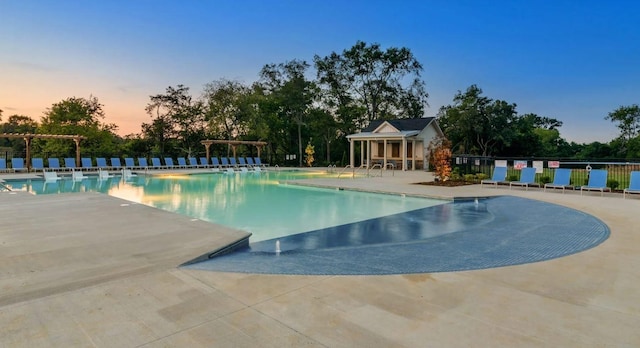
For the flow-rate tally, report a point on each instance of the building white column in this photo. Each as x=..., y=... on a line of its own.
x=404, y=153
x=361, y=152
x=413, y=154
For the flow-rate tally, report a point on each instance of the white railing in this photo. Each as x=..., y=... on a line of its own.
x=373, y=167
x=344, y=170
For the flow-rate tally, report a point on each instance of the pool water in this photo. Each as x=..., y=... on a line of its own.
x=259, y=203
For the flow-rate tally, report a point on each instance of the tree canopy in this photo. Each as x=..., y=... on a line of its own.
x=476, y=124
x=294, y=104
x=367, y=83
x=77, y=116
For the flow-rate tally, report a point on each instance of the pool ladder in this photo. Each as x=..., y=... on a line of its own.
x=354, y=170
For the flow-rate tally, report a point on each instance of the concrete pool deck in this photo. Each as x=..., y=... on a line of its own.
x=92, y=270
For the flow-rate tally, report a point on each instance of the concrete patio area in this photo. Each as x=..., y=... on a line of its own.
x=91, y=270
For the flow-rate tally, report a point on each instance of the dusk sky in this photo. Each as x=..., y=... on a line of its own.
x=575, y=61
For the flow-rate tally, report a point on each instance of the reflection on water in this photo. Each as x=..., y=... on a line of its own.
x=256, y=203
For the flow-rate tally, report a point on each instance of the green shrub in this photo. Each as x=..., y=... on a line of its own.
x=482, y=176
x=455, y=177
x=545, y=180
x=512, y=177
x=469, y=177
x=613, y=184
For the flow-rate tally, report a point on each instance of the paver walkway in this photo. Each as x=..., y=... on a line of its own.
x=90, y=270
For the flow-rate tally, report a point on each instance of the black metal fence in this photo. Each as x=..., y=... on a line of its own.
x=618, y=171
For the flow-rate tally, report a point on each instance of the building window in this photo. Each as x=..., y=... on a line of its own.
x=395, y=150
x=380, y=149
x=410, y=150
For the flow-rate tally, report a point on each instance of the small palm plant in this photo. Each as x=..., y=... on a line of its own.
x=309, y=152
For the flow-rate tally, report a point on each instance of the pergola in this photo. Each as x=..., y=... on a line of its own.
x=234, y=144
x=28, y=137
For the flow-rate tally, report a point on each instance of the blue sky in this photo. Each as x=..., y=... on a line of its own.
x=571, y=60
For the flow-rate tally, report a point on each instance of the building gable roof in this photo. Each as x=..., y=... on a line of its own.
x=405, y=124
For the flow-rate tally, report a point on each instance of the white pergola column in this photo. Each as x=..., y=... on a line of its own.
x=368, y=153
x=351, y=152
x=385, y=154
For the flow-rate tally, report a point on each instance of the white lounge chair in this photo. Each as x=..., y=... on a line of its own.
x=77, y=175
x=499, y=175
x=561, y=179
x=104, y=175
x=17, y=164
x=50, y=176
x=527, y=177
x=634, y=184
x=597, y=181
x=127, y=174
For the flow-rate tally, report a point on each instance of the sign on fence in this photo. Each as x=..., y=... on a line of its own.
x=539, y=166
x=554, y=164
x=519, y=164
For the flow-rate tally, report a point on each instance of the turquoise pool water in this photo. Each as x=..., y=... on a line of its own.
x=255, y=202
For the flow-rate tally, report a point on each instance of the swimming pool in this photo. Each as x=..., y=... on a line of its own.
x=303, y=230
x=254, y=202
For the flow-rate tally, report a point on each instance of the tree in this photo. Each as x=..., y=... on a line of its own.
x=287, y=86
x=228, y=109
x=497, y=127
x=628, y=122
x=476, y=124
x=366, y=83
x=325, y=127
x=17, y=124
x=595, y=150
x=178, y=119
x=77, y=116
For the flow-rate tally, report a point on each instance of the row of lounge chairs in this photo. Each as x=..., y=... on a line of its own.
x=562, y=180
x=37, y=164
x=78, y=175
